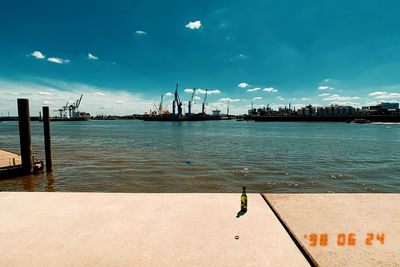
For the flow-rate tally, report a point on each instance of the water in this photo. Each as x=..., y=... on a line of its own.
x=212, y=156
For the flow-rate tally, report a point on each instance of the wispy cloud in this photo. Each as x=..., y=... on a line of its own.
x=323, y=87
x=169, y=94
x=209, y=92
x=140, y=32
x=58, y=60
x=257, y=98
x=38, y=54
x=194, y=25
x=253, y=90
x=196, y=98
x=340, y=98
x=92, y=57
x=70, y=91
x=305, y=99
x=377, y=93
x=345, y=103
x=188, y=90
x=243, y=85
x=323, y=94
x=280, y=98
x=228, y=99
x=327, y=80
x=44, y=93
x=99, y=93
x=385, y=95
x=270, y=89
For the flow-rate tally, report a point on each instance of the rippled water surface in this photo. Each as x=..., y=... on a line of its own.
x=212, y=156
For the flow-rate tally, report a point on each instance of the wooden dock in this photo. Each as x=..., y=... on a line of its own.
x=8, y=159
x=11, y=165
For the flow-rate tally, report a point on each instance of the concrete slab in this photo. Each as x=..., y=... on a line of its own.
x=8, y=159
x=361, y=229
x=86, y=229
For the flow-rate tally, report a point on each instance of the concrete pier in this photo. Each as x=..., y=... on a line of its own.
x=95, y=229
x=344, y=229
x=114, y=229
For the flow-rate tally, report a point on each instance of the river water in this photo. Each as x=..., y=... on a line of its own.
x=212, y=156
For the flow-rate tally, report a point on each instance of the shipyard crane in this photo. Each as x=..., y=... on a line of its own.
x=74, y=107
x=160, y=109
x=191, y=102
x=177, y=102
x=62, y=110
x=203, y=108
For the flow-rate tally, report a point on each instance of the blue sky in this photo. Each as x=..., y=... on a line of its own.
x=268, y=52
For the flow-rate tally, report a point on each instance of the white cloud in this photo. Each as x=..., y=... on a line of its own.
x=377, y=93
x=340, y=98
x=270, y=89
x=90, y=56
x=280, y=98
x=188, y=90
x=327, y=80
x=257, y=98
x=169, y=94
x=384, y=95
x=203, y=92
x=119, y=102
x=323, y=94
x=323, y=87
x=58, y=60
x=305, y=99
x=388, y=95
x=99, y=93
x=44, y=93
x=228, y=99
x=243, y=85
x=193, y=25
x=196, y=98
x=345, y=103
x=38, y=54
x=254, y=89
x=139, y=32
x=46, y=102
x=70, y=91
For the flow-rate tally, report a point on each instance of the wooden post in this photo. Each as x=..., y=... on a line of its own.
x=47, y=139
x=25, y=135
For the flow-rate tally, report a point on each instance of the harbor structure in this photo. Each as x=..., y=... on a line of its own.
x=383, y=112
x=178, y=114
x=71, y=112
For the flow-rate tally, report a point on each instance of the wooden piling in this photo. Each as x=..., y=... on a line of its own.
x=47, y=139
x=25, y=135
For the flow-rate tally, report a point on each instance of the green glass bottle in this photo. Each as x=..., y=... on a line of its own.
x=243, y=198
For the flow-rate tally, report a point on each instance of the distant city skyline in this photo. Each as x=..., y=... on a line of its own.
x=123, y=55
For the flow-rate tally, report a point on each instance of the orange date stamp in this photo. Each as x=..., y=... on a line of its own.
x=345, y=239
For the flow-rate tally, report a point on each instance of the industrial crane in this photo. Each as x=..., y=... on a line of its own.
x=62, y=110
x=203, y=108
x=191, y=102
x=178, y=102
x=74, y=107
x=160, y=109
